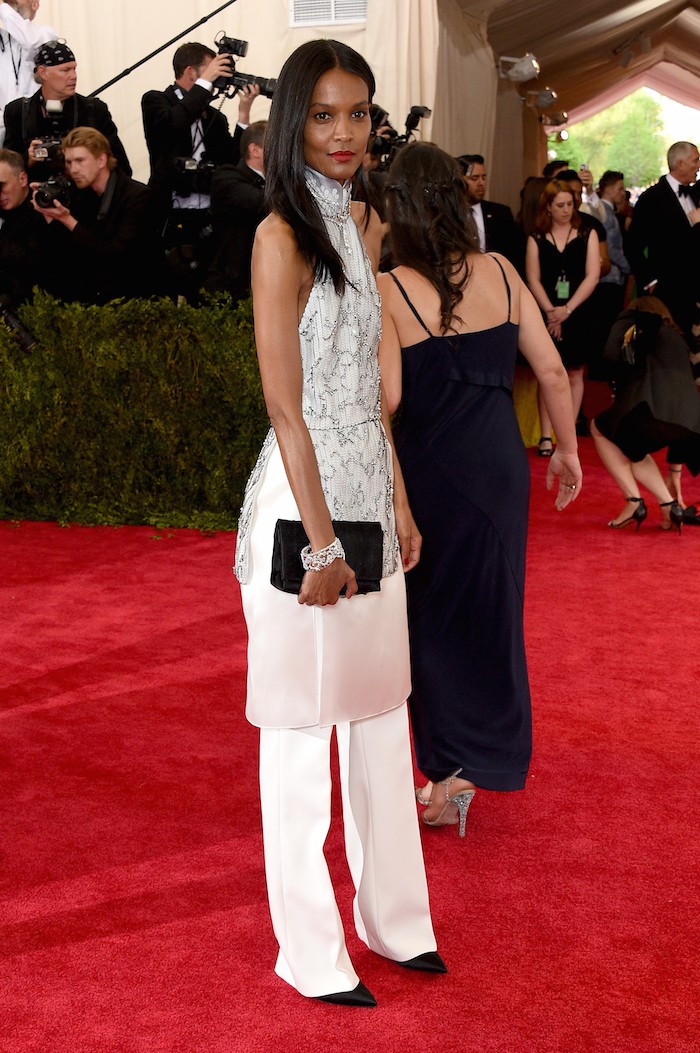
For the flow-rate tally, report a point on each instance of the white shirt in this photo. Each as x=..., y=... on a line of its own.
x=684, y=200
x=19, y=41
x=198, y=201
x=478, y=215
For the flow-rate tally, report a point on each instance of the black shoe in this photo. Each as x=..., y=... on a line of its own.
x=638, y=516
x=677, y=515
x=545, y=451
x=360, y=996
x=430, y=962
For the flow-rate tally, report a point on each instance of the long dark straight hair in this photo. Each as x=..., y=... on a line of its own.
x=432, y=230
x=285, y=186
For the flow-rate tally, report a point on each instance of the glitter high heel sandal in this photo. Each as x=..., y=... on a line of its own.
x=455, y=808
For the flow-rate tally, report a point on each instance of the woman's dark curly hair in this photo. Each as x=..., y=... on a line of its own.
x=432, y=230
x=286, y=192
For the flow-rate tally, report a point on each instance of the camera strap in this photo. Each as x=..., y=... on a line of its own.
x=197, y=131
x=26, y=102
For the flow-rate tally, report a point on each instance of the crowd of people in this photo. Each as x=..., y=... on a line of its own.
x=73, y=220
x=335, y=514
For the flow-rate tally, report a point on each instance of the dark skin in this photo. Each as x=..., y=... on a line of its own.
x=335, y=140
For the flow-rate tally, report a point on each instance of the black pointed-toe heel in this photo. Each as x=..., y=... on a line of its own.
x=676, y=515
x=360, y=995
x=430, y=962
x=638, y=516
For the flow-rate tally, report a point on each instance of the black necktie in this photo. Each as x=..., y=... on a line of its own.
x=683, y=190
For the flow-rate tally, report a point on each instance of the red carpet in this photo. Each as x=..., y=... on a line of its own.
x=132, y=911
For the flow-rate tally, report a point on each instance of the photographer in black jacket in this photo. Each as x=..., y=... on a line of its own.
x=102, y=240
x=21, y=233
x=187, y=138
x=237, y=208
x=36, y=125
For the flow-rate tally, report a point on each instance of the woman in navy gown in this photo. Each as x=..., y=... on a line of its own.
x=452, y=323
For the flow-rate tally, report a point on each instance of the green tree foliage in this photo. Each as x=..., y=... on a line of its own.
x=627, y=137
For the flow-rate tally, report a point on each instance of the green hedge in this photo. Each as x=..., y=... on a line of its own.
x=136, y=412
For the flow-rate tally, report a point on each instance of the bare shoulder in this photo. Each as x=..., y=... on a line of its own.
x=274, y=235
x=486, y=266
x=371, y=230
x=365, y=216
x=276, y=251
x=510, y=271
x=386, y=287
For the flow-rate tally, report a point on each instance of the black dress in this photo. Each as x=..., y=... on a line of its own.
x=656, y=400
x=569, y=266
x=468, y=483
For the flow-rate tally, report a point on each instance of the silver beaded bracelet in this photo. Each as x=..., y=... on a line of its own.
x=324, y=557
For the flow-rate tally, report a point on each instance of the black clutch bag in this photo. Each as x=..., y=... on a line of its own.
x=362, y=543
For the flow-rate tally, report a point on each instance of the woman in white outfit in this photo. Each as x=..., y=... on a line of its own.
x=320, y=660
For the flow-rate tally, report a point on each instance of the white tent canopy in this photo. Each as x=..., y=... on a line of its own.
x=437, y=53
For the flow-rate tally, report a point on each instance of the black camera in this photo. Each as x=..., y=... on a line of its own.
x=239, y=49
x=267, y=85
x=191, y=176
x=56, y=189
x=385, y=146
x=26, y=340
x=49, y=149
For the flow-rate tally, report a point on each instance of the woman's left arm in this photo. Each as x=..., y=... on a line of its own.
x=410, y=539
x=390, y=364
x=590, y=280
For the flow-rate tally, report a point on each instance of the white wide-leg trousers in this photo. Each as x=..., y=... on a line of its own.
x=382, y=842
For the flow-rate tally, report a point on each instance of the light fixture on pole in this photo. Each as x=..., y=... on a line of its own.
x=554, y=120
x=541, y=100
x=518, y=69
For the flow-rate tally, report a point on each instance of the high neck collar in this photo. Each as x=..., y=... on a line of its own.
x=332, y=197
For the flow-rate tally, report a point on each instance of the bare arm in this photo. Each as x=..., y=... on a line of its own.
x=534, y=275
x=280, y=276
x=389, y=347
x=537, y=347
x=410, y=539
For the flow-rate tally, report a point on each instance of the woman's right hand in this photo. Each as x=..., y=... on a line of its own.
x=554, y=330
x=320, y=588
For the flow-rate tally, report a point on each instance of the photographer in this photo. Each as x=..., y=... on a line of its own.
x=102, y=240
x=18, y=42
x=237, y=208
x=35, y=126
x=21, y=234
x=187, y=137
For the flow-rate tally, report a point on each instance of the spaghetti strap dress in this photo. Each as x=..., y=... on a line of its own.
x=468, y=481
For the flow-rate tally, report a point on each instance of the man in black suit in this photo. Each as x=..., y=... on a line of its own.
x=237, y=207
x=102, y=241
x=21, y=233
x=187, y=138
x=663, y=244
x=497, y=230
x=53, y=111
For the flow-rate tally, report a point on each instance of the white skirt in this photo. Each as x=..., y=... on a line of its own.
x=317, y=665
